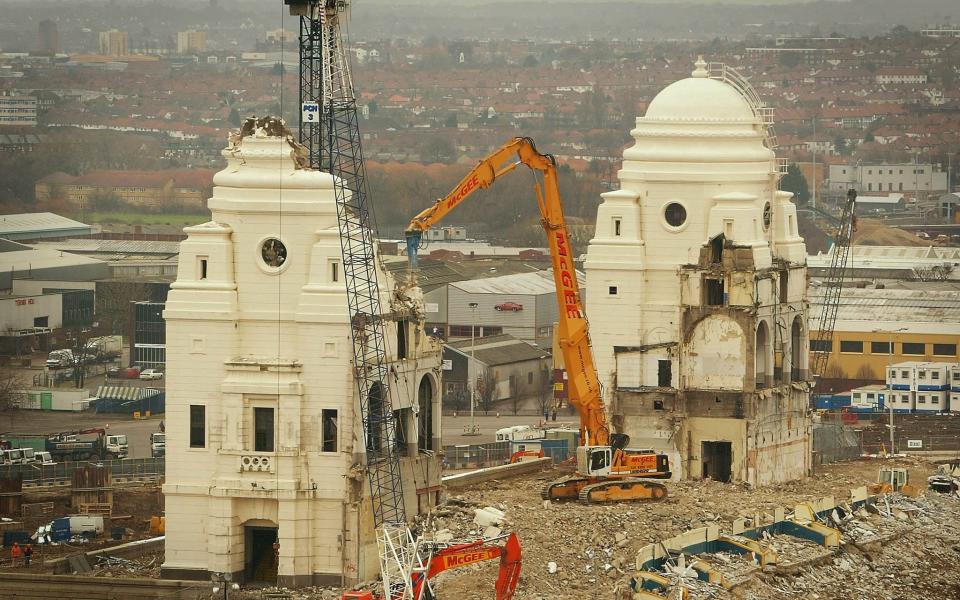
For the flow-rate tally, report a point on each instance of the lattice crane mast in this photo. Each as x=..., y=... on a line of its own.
x=822, y=341
x=329, y=129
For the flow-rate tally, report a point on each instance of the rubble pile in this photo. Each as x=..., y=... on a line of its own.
x=572, y=550
x=795, y=551
x=917, y=560
x=114, y=566
x=735, y=568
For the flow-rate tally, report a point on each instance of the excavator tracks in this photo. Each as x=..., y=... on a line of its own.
x=623, y=490
x=564, y=489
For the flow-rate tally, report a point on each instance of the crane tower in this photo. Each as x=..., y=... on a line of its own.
x=331, y=134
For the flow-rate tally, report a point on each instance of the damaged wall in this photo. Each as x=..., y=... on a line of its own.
x=697, y=284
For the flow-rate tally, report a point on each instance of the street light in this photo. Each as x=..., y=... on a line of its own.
x=472, y=429
x=888, y=378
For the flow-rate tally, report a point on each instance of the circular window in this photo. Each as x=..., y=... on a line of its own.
x=767, y=214
x=675, y=214
x=273, y=252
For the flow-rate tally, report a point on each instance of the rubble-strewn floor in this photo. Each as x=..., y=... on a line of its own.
x=594, y=547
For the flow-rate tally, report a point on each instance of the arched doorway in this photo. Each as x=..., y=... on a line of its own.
x=761, y=352
x=425, y=395
x=797, y=350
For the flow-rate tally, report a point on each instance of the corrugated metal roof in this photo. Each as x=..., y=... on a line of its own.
x=908, y=306
x=536, y=283
x=30, y=222
x=41, y=258
x=88, y=246
x=499, y=350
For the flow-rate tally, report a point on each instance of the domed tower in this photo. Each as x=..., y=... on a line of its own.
x=264, y=438
x=696, y=282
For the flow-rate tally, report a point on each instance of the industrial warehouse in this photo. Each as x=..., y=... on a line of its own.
x=674, y=396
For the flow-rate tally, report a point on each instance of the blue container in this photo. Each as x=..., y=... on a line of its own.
x=61, y=524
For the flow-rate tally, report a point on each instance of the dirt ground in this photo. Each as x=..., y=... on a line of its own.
x=132, y=510
x=595, y=547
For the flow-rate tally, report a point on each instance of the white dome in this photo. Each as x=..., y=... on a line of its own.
x=700, y=98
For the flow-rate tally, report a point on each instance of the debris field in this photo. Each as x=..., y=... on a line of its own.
x=901, y=548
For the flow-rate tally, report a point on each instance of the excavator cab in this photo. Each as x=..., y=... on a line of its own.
x=594, y=461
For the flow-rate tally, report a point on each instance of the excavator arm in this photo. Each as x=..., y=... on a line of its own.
x=573, y=334
x=462, y=555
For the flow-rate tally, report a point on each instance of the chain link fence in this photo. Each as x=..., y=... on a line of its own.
x=834, y=442
x=131, y=468
x=475, y=456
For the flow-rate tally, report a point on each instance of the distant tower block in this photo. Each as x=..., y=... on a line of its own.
x=697, y=288
x=49, y=37
x=264, y=443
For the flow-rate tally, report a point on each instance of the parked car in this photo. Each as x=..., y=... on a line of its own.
x=150, y=374
x=44, y=458
x=509, y=306
x=127, y=373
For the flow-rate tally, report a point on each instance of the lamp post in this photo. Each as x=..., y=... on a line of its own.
x=222, y=581
x=472, y=429
x=888, y=378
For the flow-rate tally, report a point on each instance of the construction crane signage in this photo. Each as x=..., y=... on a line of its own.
x=310, y=112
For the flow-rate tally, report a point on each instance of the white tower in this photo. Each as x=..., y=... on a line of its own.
x=696, y=283
x=262, y=427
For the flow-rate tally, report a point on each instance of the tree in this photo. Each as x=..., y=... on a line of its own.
x=529, y=62
x=234, y=117
x=103, y=201
x=545, y=391
x=840, y=143
x=795, y=182
x=437, y=149
x=486, y=390
x=11, y=389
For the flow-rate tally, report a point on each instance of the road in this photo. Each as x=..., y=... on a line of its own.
x=35, y=421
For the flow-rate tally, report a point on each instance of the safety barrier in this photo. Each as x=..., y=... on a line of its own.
x=131, y=469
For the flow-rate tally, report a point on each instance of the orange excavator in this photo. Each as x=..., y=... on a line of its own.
x=606, y=469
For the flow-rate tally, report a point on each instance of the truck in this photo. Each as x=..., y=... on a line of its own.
x=58, y=359
x=79, y=445
x=158, y=444
x=103, y=349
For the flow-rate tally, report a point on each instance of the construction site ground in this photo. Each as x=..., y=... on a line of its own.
x=595, y=546
x=132, y=510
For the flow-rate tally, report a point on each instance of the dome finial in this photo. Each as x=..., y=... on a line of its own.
x=701, y=68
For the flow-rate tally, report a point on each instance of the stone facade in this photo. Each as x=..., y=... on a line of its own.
x=697, y=285
x=264, y=439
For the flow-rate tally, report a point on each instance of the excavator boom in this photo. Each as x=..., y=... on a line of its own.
x=606, y=470
x=573, y=333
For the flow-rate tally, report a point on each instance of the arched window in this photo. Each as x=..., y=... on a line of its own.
x=797, y=350
x=376, y=420
x=762, y=351
x=425, y=395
